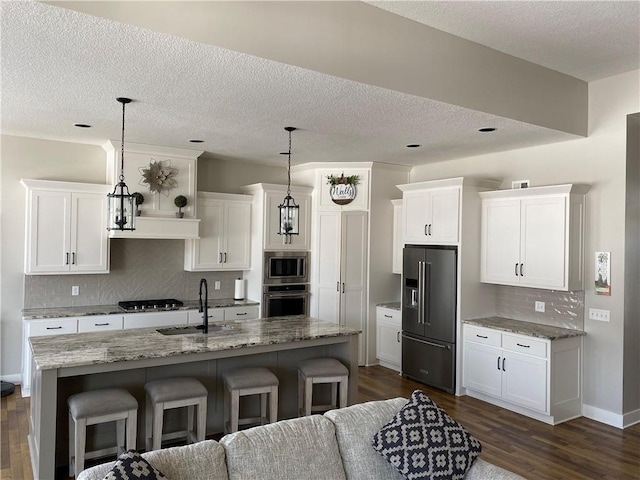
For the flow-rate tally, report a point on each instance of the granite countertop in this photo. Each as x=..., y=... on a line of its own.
x=61, y=312
x=391, y=305
x=525, y=328
x=65, y=351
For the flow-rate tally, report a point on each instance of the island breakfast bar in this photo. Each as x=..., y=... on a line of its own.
x=66, y=364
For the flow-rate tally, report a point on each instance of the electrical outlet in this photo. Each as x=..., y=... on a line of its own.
x=539, y=307
x=75, y=290
x=600, y=315
x=216, y=285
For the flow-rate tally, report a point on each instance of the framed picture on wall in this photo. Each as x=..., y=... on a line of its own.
x=603, y=273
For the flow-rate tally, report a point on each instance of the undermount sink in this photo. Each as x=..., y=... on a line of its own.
x=194, y=329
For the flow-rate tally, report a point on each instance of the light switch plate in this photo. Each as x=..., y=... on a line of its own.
x=75, y=290
x=600, y=315
x=539, y=306
x=216, y=285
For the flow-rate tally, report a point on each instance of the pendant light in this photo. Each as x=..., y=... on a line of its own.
x=289, y=219
x=121, y=204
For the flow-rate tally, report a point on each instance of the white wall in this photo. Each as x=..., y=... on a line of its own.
x=40, y=159
x=600, y=161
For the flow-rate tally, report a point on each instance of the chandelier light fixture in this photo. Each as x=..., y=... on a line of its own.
x=289, y=219
x=121, y=205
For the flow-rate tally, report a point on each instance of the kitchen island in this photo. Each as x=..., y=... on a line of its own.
x=67, y=364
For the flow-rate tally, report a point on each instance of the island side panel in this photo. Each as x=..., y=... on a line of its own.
x=42, y=423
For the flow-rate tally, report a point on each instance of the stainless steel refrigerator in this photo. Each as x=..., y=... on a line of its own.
x=429, y=287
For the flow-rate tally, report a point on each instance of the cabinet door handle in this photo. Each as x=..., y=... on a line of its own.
x=523, y=346
x=220, y=255
x=499, y=362
x=225, y=257
x=481, y=336
x=388, y=316
x=337, y=286
x=343, y=288
x=430, y=229
x=240, y=314
x=504, y=360
x=398, y=337
x=425, y=229
x=516, y=269
x=54, y=328
x=521, y=274
x=101, y=324
x=73, y=258
x=67, y=260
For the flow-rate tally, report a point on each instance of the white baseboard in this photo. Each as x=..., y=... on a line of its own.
x=613, y=419
x=15, y=378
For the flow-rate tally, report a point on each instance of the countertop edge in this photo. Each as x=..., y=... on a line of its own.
x=529, y=329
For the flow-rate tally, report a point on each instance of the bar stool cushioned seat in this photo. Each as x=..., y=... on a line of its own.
x=249, y=381
x=168, y=393
x=321, y=370
x=100, y=406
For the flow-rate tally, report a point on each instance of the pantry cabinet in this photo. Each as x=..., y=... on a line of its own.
x=534, y=237
x=389, y=337
x=431, y=212
x=341, y=276
x=534, y=376
x=66, y=228
x=225, y=234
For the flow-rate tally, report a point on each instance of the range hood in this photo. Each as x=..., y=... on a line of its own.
x=158, y=218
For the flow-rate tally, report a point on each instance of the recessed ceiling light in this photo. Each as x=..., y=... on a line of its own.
x=193, y=140
x=487, y=129
x=81, y=125
x=414, y=145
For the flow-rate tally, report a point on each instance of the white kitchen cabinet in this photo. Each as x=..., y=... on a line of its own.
x=66, y=228
x=155, y=319
x=534, y=237
x=220, y=314
x=341, y=266
x=41, y=328
x=225, y=234
x=533, y=376
x=398, y=236
x=431, y=212
x=389, y=337
x=215, y=315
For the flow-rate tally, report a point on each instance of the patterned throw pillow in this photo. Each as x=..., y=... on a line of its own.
x=422, y=441
x=131, y=466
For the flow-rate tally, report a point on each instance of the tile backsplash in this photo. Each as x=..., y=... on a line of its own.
x=562, y=309
x=140, y=269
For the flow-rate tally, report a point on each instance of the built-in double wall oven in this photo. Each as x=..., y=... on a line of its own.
x=285, y=284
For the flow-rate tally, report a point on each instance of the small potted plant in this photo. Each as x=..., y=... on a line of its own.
x=180, y=201
x=139, y=201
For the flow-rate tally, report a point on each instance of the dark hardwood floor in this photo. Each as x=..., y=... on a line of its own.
x=579, y=449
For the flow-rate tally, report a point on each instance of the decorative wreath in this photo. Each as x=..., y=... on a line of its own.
x=342, y=180
x=160, y=176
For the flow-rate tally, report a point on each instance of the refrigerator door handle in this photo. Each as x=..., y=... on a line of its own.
x=426, y=295
x=446, y=347
x=421, y=292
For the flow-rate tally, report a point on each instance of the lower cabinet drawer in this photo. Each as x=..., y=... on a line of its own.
x=100, y=323
x=58, y=326
x=482, y=335
x=241, y=313
x=526, y=345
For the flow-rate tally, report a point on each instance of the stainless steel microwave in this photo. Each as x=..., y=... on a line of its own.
x=286, y=267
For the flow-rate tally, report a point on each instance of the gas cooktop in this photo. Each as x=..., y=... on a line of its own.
x=150, y=304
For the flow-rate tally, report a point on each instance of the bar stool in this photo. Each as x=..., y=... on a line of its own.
x=249, y=381
x=321, y=370
x=100, y=406
x=171, y=393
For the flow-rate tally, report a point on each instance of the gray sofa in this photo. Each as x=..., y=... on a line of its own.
x=335, y=446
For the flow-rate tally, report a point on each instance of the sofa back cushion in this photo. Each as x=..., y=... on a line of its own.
x=202, y=461
x=355, y=427
x=302, y=448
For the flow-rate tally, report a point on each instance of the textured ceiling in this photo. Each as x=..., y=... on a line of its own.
x=61, y=67
x=587, y=40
